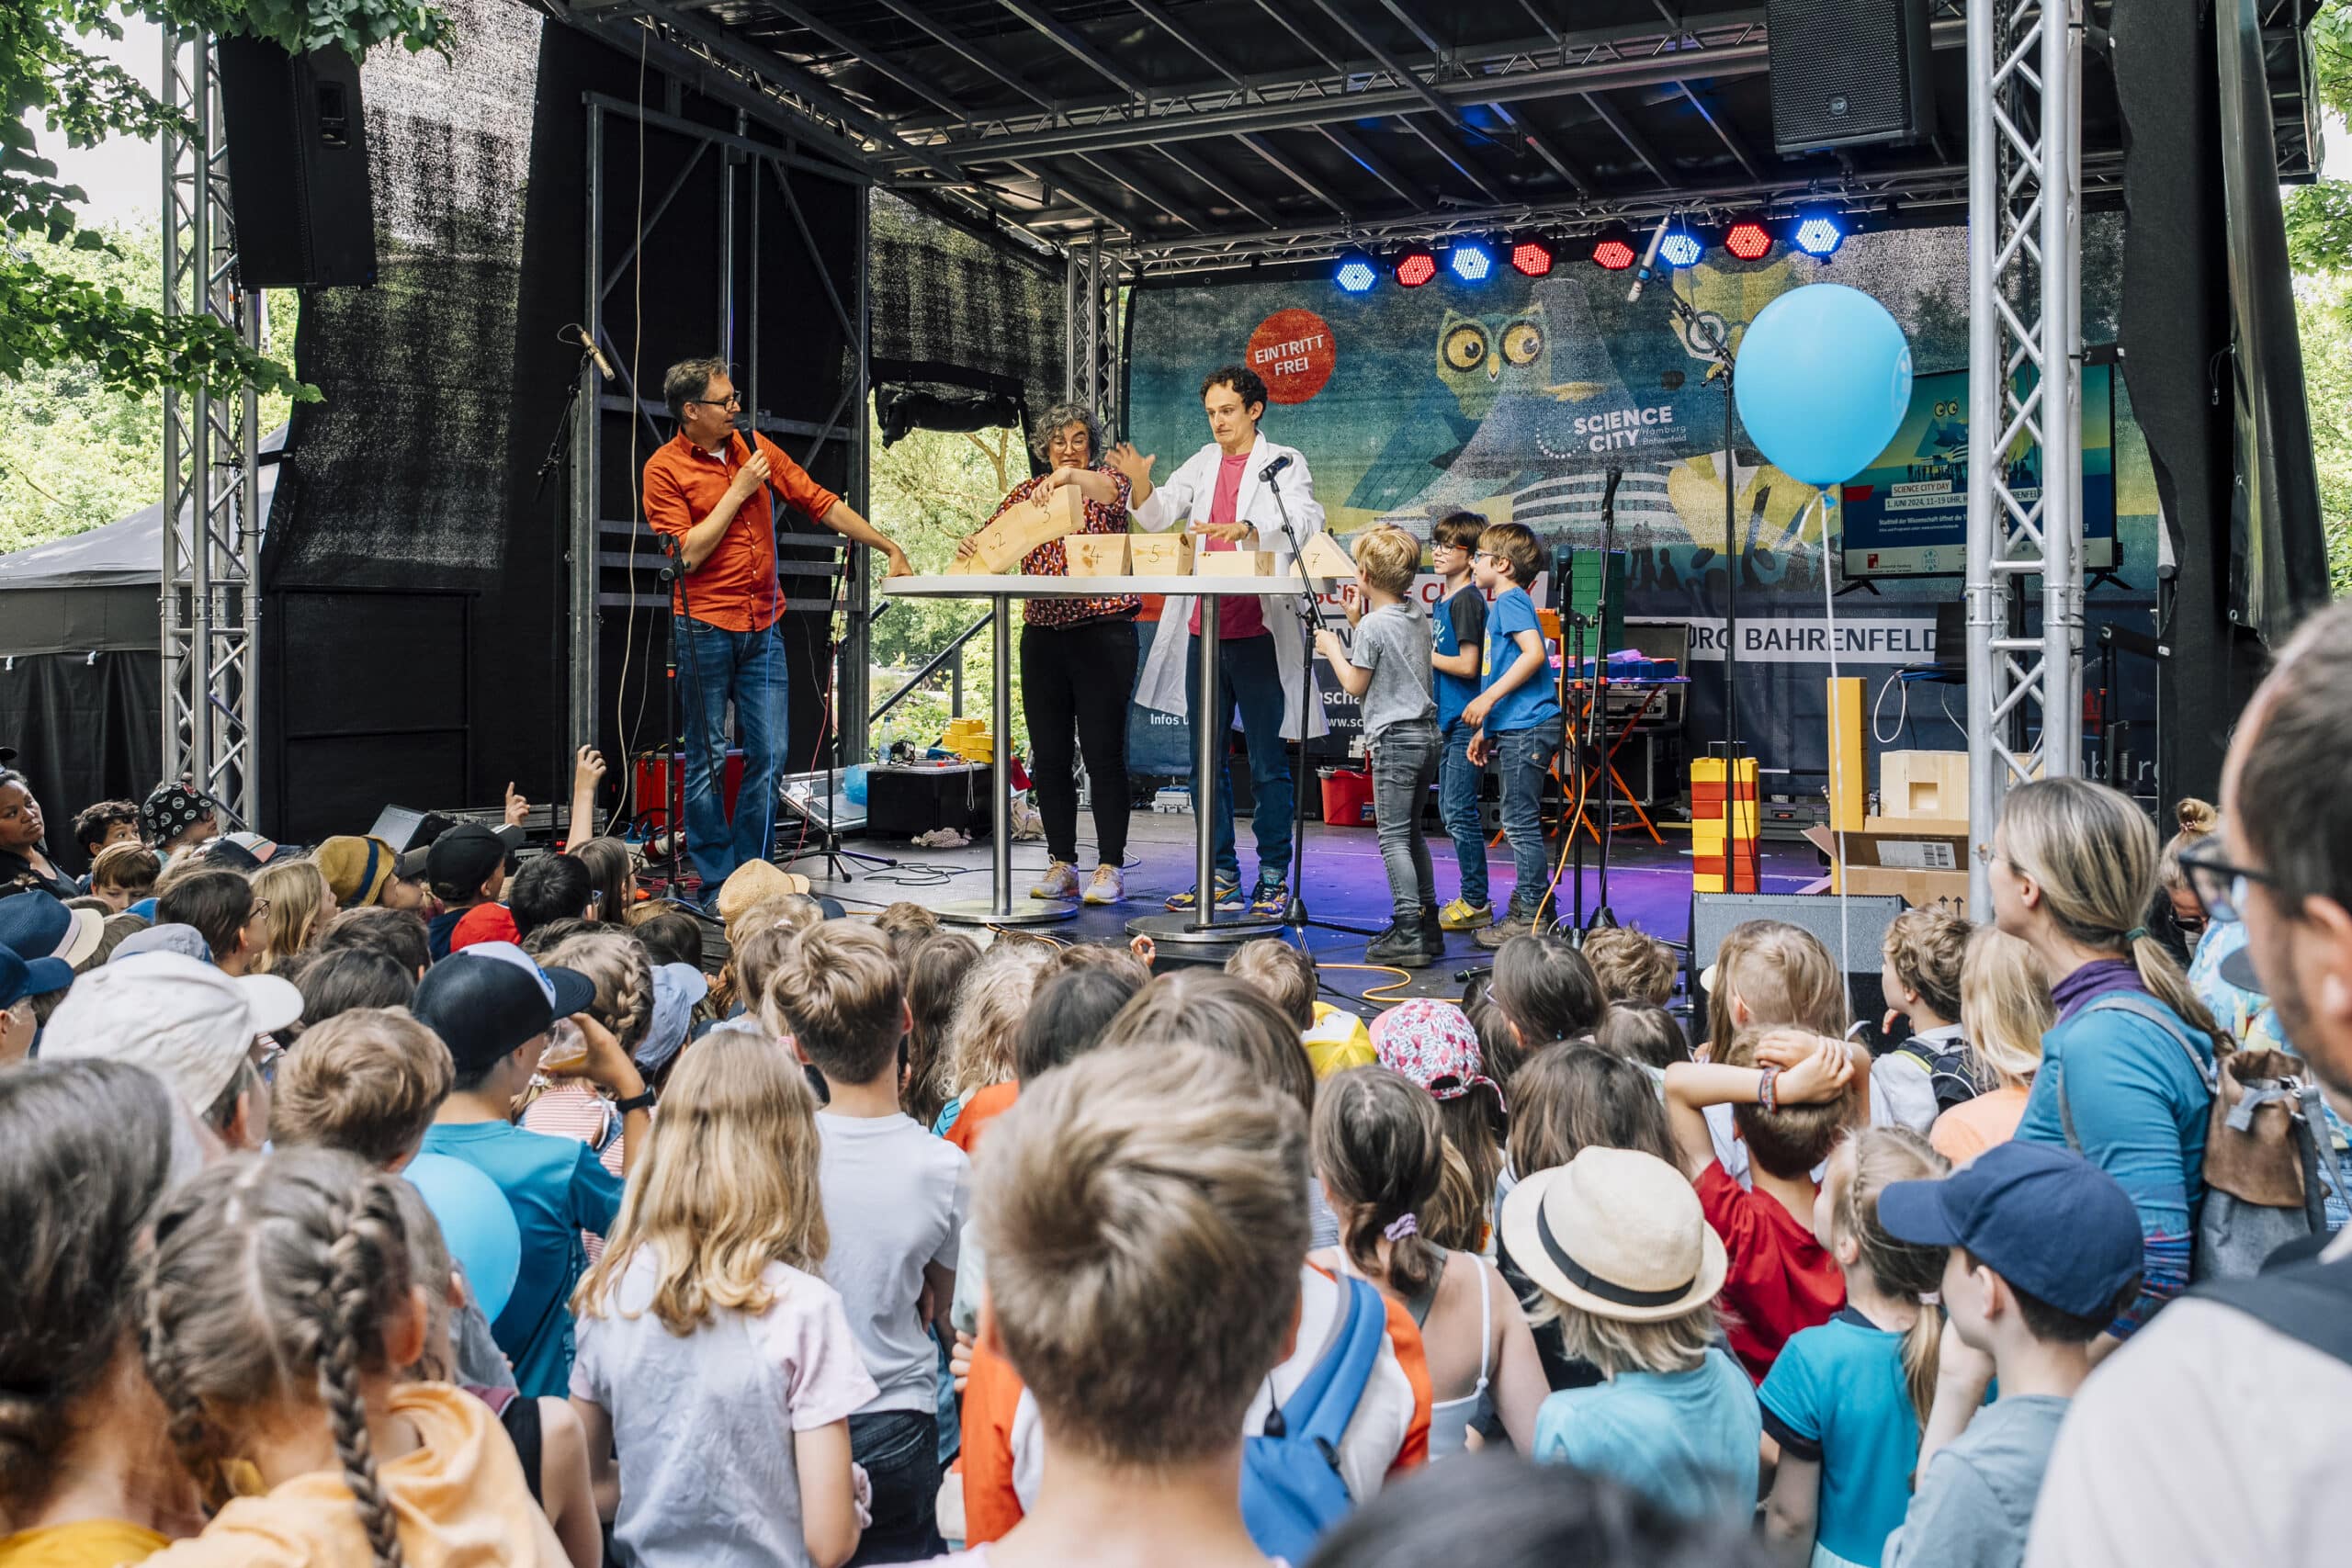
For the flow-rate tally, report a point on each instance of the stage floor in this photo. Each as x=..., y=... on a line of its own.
x=1649, y=887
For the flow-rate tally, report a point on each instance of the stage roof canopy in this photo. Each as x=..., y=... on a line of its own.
x=1207, y=134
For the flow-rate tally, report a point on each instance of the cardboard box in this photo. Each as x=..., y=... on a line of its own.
x=1233, y=563
x=1924, y=784
x=1159, y=555
x=1095, y=555
x=1003, y=543
x=1924, y=860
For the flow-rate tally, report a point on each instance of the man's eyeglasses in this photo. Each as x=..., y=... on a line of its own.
x=735, y=401
x=2220, y=884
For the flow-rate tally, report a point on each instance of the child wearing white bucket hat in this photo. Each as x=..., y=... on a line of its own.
x=1625, y=1262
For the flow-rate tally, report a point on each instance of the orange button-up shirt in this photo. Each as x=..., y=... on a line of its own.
x=735, y=588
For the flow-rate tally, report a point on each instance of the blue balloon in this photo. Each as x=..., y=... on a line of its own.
x=477, y=1224
x=854, y=784
x=1823, y=381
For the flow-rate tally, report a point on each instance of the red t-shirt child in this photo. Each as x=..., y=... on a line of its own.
x=1238, y=615
x=1782, y=1279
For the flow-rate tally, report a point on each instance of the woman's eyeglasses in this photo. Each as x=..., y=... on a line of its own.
x=2220, y=884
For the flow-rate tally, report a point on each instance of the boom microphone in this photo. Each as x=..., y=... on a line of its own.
x=1266, y=474
x=578, y=336
x=1649, y=259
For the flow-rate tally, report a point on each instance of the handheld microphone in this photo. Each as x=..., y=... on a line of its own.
x=1609, y=492
x=578, y=335
x=1266, y=474
x=1649, y=259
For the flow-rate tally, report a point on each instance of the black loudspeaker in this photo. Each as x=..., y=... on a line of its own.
x=1712, y=915
x=297, y=167
x=1848, y=71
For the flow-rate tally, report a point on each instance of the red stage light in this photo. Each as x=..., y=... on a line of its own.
x=1613, y=256
x=1415, y=267
x=1530, y=258
x=1748, y=239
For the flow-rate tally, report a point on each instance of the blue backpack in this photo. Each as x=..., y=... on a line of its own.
x=1291, y=1487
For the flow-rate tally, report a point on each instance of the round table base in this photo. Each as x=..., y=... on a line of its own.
x=1182, y=927
x=1025, y=912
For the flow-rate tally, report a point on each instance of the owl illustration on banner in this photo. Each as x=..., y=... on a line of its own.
x=1726, y=301
x=1481, y=360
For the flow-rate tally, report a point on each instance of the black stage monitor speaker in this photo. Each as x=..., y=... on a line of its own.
x=1848, y=71
x=1712, y=915
x=297, y=167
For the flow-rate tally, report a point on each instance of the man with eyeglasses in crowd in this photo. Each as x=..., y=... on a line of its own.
x=2218, y=1435
x=713, y=490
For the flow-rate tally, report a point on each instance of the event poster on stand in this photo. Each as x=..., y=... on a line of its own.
x=1517, y=397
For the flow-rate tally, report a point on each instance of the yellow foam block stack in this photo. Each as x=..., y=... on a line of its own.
x=969, y=738
x=1722, y=843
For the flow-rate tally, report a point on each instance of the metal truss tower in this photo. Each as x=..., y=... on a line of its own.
x=211, y=496
x=1090, y=327
x=2025, y=352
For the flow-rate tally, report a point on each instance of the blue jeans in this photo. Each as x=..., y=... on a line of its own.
x=715, y=665
x=1525, y=759
x=900, y=1449
x=1457, y=804
x=1249, y=676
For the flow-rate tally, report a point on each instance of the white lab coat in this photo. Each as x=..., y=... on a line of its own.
x=1186, y=498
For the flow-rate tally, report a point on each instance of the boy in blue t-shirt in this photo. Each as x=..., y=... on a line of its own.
x=1516, y=716
x=492, y=1007
x=1458, y=634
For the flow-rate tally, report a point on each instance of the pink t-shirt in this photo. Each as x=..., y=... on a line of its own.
x=1238, y=615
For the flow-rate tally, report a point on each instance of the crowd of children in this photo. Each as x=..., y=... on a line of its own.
x=339, y=1231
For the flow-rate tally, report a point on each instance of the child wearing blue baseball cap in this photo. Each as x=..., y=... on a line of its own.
x=2044, y=1248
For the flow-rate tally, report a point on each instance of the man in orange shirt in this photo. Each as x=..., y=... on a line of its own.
x=712, y=490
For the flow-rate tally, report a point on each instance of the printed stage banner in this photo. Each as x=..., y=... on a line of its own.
x=1517, y=397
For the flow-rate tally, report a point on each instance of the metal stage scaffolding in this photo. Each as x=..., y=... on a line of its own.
x=211, y=605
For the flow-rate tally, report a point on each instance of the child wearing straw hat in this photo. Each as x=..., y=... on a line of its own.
x=1625, y=1262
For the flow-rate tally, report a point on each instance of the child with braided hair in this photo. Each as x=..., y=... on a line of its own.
x=280, y=1302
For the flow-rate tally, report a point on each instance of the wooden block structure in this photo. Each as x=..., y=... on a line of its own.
x=1233, y=563
x=1159, y=555
x=1924, y=783
x=1723, y=841
x=1095, y=555
x=1323, y=557
x=1848, y=784
x=1003, y=543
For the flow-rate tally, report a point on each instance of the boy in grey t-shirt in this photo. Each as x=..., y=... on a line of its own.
x=1388, y=671
x=2030, y=1302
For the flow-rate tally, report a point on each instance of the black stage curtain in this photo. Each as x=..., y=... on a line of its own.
x=86, y=729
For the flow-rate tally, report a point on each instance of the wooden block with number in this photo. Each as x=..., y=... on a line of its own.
x=1323, y=557
x=1003, y=543
x=1159, y=555
x=1233, y=563
x=1095, y=555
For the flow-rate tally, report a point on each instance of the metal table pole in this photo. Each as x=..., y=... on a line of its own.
x=1202, y=925
x=997, y=909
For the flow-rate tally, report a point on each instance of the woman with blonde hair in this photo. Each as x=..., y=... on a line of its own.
x=299, y=905
x=976, y=1074
x=2005, y=1010
x=2129, y=1066
x=707, y=1319
x=2197, y=820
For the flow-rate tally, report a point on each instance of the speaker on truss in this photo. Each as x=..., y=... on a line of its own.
x=1848, y=71
x=297, y=167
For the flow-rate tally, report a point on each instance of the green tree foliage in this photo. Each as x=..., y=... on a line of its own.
x=53, y=317
x=2323, y=304
x=77, y=450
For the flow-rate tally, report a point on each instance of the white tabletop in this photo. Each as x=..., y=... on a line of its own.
x=983, y=586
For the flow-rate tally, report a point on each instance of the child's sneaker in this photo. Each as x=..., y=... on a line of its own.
x=1228, y=895
x=1502, y=930
x=1461, y=916
x=1400, y=946
x=1060, y=881
x=1273, y=894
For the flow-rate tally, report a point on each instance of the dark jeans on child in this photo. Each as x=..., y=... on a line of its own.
x=1081, y=680
x=900, y=1449
x=1525, y=757
x=1457, y=802
x=1404, y=765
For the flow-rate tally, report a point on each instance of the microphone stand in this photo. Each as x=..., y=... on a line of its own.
x=673, y=772
x=1602, y=915
x=1309, y=606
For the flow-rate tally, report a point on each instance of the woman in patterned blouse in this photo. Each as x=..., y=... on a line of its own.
x=1078, y=664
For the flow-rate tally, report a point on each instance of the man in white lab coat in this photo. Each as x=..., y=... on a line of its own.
x=1221, y=494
